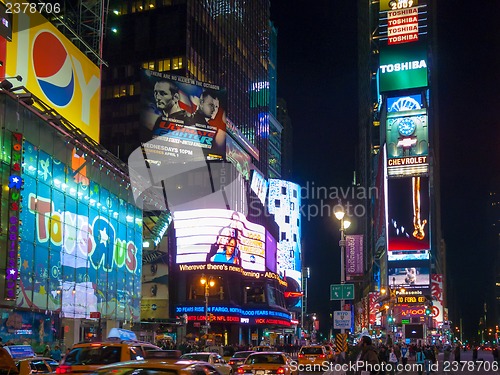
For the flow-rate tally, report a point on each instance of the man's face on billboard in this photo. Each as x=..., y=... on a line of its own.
x=208, y=106
x=163, y=96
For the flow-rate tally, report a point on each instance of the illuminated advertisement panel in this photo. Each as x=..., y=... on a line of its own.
x=407, y=140
x=402, y=25
x=233, y=314
x=236, y=155
x=438, y=299
x=155, y=297
x=410, y=274
x=284, y=203
x=187, y=117
x=259, y=186
x=55, y=70
x=397, y=4
x=271, y=252
x=374, y=316
x=403, y=66
x=354, y=255
x=404, y=103
x=81, y=246
x=408, y=215
x=223, y=239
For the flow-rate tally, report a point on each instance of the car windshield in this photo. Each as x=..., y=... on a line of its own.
x=93, y=355
x=197, y=357
x=136, y=371
x=241, y=354
x=265, y=358
x=312, y=350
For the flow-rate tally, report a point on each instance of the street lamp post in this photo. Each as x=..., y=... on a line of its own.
x=344, y=224
x=207, y=283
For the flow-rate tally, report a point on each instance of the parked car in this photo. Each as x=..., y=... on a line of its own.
x=214, y=359
x=238, y=359
x=261, y=363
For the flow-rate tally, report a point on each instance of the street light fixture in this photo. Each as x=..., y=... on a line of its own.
x=208, y=283
x=344, y=224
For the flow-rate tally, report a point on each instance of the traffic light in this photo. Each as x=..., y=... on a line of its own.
x=390, y=319
x=428, y=311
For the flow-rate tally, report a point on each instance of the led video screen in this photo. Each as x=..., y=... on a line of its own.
x=408, y=226
x=409, y=275
x=408, y=136
x=81, y=245
x=219, y=236
x=259, y=185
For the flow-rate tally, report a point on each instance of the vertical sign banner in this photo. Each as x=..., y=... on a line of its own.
x=354, y=255
x=402, y=25
x=15, y=186
x=374, y=315
x=437, y=299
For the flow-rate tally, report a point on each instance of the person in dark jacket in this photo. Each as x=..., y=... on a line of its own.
x=368, y=356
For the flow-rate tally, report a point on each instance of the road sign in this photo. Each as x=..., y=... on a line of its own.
x=340, y=342
x=341, y=291
x=342, y=320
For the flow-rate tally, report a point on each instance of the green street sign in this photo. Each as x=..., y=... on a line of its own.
x=341, y=291
x=335, y=292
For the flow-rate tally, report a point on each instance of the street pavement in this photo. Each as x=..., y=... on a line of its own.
x=483, y=366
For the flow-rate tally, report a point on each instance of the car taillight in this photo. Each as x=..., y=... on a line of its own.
x=231, y=362
x=280, y=370
x=322, y=356
x=301, y=355
x=63, y=369
x=241, y=371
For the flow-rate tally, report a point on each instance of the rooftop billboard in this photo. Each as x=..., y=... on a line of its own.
x=55, y=70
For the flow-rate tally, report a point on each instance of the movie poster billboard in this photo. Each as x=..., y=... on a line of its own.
x=187, y=118
x=403, y=66
x=81, y=245
x=223, y=239
x=408, y=227
x=374, y=316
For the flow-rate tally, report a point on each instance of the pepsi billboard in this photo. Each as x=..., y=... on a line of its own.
x=55, y=70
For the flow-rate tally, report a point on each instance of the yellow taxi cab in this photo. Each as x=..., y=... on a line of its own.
x=263, y=363
x=330, y=353
x=180, y=367
x=312, y=355
x=121, y=345
x=22, y=360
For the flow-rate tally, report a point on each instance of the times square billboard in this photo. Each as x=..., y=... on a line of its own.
x=224, y=241
x=185, y=116
x=408, y=218
x=52, y=67
x=284, y=203
x=80, y=244
x=403, y=66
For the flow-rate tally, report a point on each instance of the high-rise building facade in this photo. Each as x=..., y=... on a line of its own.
x=230, y=47
x=398, y=155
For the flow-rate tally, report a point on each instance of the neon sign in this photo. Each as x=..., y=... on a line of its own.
x=15, y=185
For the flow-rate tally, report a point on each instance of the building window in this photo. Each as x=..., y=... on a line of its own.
x=277, y=203
x=283, y=236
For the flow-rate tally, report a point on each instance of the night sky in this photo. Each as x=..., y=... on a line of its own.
x=317, y=76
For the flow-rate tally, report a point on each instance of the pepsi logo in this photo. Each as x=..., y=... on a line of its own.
x=53, y=69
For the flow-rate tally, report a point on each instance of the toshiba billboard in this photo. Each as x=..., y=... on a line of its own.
x=53, y=69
